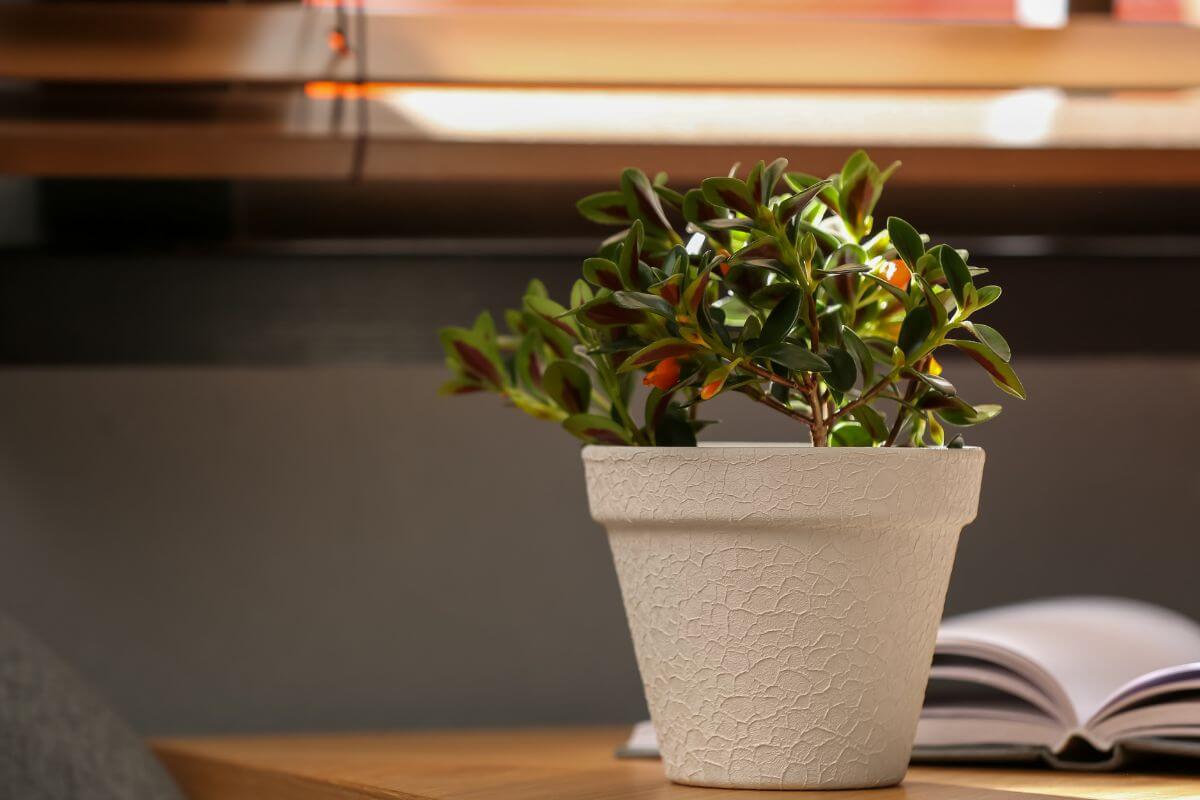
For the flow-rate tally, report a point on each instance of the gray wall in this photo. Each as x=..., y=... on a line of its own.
x=239, y=549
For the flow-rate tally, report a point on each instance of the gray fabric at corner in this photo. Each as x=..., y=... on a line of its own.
x=58, y=740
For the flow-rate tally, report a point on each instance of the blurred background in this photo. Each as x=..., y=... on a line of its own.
x=228, y=492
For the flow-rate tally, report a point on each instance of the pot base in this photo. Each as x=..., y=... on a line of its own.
x=789, y=787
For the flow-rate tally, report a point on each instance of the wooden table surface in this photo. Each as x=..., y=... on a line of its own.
x=555, y=764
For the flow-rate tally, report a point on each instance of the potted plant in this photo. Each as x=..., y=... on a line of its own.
x=783, y=599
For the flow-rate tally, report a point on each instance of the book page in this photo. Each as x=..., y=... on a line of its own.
x=1092, y=646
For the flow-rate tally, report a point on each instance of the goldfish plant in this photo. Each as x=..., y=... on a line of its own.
x=776, y=286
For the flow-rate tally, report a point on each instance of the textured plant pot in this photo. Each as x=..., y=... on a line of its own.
x=784, y=601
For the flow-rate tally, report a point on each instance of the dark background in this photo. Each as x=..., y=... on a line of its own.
x=230, y=495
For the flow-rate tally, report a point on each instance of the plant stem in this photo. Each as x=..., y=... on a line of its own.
x=771, y=376
x=868, y=395
x=771, y=402
x=902, y=412
x=819, y=431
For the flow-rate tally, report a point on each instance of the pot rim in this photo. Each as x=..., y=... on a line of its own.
x=601, y=450
x=781, y=484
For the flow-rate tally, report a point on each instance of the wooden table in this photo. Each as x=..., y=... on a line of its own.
x=554, y=764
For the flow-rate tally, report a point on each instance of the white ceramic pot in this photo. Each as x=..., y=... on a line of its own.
x=784, y=601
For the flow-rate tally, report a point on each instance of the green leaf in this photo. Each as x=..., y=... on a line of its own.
x=802, y=180
x=957, y=443
x=1001, y=373
x=906, y=240
x=862, y=354
x=800, y=200
x=728, y=193
x=668, y=195
x=657, y=351
x=675, y=261
x=856, y=163
x=696, y=209
x=459, y=386
x=850, y=434
x=485, y=327
x=782, y=318
x=917, y=431
x=630, y=256
x=764, y=247
x=536, y=287
x=754, y=183
x=987, y=296
x=929, y=266
x=641, y=201
x=844, y=269
x=527, y=362
x=842, y=371
x=553, y=312
x=470, y=352
x=827, y=240
x=595, y=429
x=559, y=341
x=535, y=407
x=605, y=312
x=774, y=265
x=932, y=301
x=771, y=176
x=793, y=356
x=856, y=191
x=962, y=414
x=958, y=277
x=625, y=345
x=915, y=330
x=872, y=421
x=847, y=254
x=670, y=290
x=935, y=382
x=894, y=291
x=936, y=432
x=736, y=312
x=991, y=337
x=568, y=385
x=643, y=301
x=581, y=293
x=711, y=322
x=694, y=294
x=728, y=224
x=515, y=322
x=607, y=208
x=602, y=273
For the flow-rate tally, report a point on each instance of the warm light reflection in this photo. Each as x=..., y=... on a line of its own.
x=1024, y=117
x=1035, y=117
x=1042, y=13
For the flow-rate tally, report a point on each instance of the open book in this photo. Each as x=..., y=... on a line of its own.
x=1082, y=683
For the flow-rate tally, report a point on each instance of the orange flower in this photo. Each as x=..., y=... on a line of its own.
x=721, y=251
x=664, y=375
x=715, y=381
x=338, y=42
x=896, y=273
